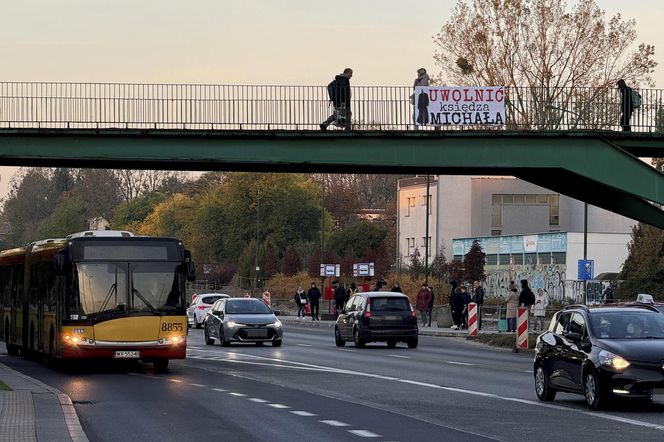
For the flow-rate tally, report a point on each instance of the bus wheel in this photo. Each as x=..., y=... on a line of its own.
x=160, y=365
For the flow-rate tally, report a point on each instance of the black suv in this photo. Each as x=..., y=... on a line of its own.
x=377, y=317
x=602, y=353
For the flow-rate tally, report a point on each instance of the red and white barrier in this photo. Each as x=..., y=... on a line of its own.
x=266, y=298
x=472, y=319
x=522, y=328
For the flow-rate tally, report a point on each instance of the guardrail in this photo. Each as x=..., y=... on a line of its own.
x=236, y=107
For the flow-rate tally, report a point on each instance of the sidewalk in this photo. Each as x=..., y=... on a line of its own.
x=33, y=411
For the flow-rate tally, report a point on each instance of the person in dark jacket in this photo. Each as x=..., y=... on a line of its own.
x=456, y=305
x=526, y=297
x=340, y=97
x=339, y=298
x=430, y=309
x=396, y=288
x=478, y=298
x=626, y=105
x=465, y=296
x=314, y=298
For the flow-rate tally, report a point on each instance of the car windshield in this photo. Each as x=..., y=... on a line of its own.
x=627, y=324
x=388, y=304
x=246, y=307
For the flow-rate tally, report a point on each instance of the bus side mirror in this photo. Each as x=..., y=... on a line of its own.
x=59, y=262
x=191, y=268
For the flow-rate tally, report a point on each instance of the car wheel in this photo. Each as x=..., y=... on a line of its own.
x=592, y=391
x=412, y=343
x=276, y=343
x=542, y=389
x=196, y=323
x=359, y=342
x=224, y=342
x=337, y=338
x=391, y=343
x=208, y=339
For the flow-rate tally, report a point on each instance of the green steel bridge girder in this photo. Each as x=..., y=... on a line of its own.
x=587, y=166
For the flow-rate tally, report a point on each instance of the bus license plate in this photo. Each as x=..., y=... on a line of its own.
x=127, y=354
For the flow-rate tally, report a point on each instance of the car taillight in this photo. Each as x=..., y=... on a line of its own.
x=413, y=313
x=367, y=312
x=202, y=307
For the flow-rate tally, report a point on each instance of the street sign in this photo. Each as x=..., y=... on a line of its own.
x=363, y=269
x=330, y=270
x=586, y=269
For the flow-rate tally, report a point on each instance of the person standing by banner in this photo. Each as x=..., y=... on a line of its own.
x=417, y=102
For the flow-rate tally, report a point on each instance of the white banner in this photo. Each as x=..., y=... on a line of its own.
x=530, y=243
x=459, y=106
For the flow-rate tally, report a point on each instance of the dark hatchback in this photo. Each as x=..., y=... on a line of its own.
x=603, y=353
x=377, y=317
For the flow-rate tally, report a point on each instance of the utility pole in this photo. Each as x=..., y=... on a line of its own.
x=426, y=238
x=585, y=249
x=258, y=226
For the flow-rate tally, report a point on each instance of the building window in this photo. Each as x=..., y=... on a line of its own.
x=426, y=244
x=499, y=200
x=554, y=210
x=411, y=201
x=496, y=215
x=409, y=205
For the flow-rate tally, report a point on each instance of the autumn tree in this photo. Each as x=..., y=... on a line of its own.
x=643, y=270
x=547, y=53
x=439, y=266
x=474, y=262
x=291, y=263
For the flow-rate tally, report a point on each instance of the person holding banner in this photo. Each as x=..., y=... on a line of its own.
x=421, y=80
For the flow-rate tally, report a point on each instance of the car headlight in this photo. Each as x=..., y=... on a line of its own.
x=276, y=324
x=609, y=359
x=231, y=324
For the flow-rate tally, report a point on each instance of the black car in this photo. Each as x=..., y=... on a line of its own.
x=603, y=353
x=377, y=317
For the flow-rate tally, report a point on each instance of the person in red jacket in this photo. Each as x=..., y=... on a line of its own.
x=422, y=302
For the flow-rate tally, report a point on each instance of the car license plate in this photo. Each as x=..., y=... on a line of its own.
x=257, y=333
x=658, y=395
x=392, y=318
x=127, y=354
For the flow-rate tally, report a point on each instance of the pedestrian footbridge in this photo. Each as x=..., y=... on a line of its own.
x=570, y=142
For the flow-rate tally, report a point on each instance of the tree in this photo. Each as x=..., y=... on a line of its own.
x=416, y=265
x=356, y=238
x=68, y=217
x=291, y=262
x=474, y=262
x=439, y=267
x=643, y=270
x=549, y=51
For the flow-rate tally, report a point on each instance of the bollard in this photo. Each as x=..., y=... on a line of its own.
x=522, y=328
x=472, y=319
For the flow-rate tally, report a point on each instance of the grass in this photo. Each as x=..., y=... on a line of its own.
x=4, y=387
x=505, y=340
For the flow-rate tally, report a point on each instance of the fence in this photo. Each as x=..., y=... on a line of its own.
x=236, y=107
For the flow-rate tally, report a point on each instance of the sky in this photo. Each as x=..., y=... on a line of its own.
x=291, y=42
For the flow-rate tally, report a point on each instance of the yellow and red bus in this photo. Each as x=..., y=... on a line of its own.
x=97, y=294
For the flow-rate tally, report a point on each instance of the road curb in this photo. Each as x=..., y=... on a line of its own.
x=69, y=412
x=428, y=331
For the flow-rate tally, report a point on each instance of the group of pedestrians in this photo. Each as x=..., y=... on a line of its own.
x=310, y=298
x=537, y=304
x=339, y=92
x=459, y=300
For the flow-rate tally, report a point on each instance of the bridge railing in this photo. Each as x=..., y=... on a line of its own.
x=226, y=107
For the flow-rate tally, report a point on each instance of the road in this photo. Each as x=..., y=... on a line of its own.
x=308, y=389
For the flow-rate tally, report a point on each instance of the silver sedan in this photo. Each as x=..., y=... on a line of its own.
x=242, y=320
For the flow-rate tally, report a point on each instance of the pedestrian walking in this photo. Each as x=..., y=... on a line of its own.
x=339, y=92
x=538, y=309
x=314, y=299
x=511, y=304
x=422, y=303
x=465, y=296
x=339, y=298
x=626, y=105
x=430, y=309
x=478, y=298
x=608, y=294
x=420, y=103
x=301, y=301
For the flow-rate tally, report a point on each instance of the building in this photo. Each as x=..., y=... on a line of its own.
x=502, y=211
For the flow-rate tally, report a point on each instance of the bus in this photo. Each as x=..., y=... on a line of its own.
x=96, y=294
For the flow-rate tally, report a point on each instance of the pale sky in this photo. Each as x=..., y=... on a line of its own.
x=294, y=42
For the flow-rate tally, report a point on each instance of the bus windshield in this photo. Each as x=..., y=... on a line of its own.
x=121, y=288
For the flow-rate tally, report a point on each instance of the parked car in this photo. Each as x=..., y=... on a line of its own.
x=377, y=317
x=242, y=320
x=602, y=353
x=200, y=306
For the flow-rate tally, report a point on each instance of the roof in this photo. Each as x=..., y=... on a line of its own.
x=382, y=294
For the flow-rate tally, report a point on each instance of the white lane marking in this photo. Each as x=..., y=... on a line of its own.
x=191, y=346
x=237, y=394
x=304, y=345
x=220, y=390
x=258, y=400
x=363, y=433
x=460, y=363
x=198, y=385
x=303, y=366
x=334, y=423
x=303, y=413
x=279, y=406
x=177, y=381
x=399, y=356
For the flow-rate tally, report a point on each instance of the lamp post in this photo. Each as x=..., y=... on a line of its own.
x=258, y=226
x=426, y=238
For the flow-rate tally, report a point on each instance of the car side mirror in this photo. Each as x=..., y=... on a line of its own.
x=574, y=337
x=276, y=312
x=218, y=313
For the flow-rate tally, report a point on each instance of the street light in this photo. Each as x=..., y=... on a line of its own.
x=426, y=238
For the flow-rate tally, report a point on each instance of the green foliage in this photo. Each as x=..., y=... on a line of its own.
x=291, y=262
x=416, y=265
x=643, y=271
x=128, y=215
x=474, y=263
x=68, y=217
x=355, y=239
x=439, y=267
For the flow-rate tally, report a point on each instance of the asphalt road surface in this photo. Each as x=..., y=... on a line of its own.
x=310, y=390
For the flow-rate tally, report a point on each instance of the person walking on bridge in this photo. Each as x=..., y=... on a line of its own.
x=339, y=92
x=626, y=105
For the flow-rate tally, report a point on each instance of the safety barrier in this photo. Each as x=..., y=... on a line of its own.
x=473, y=329
x=522, y=328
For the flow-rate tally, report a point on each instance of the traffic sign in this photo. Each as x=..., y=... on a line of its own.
x=363, y=269
x=586, y=269
x=330, y=270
